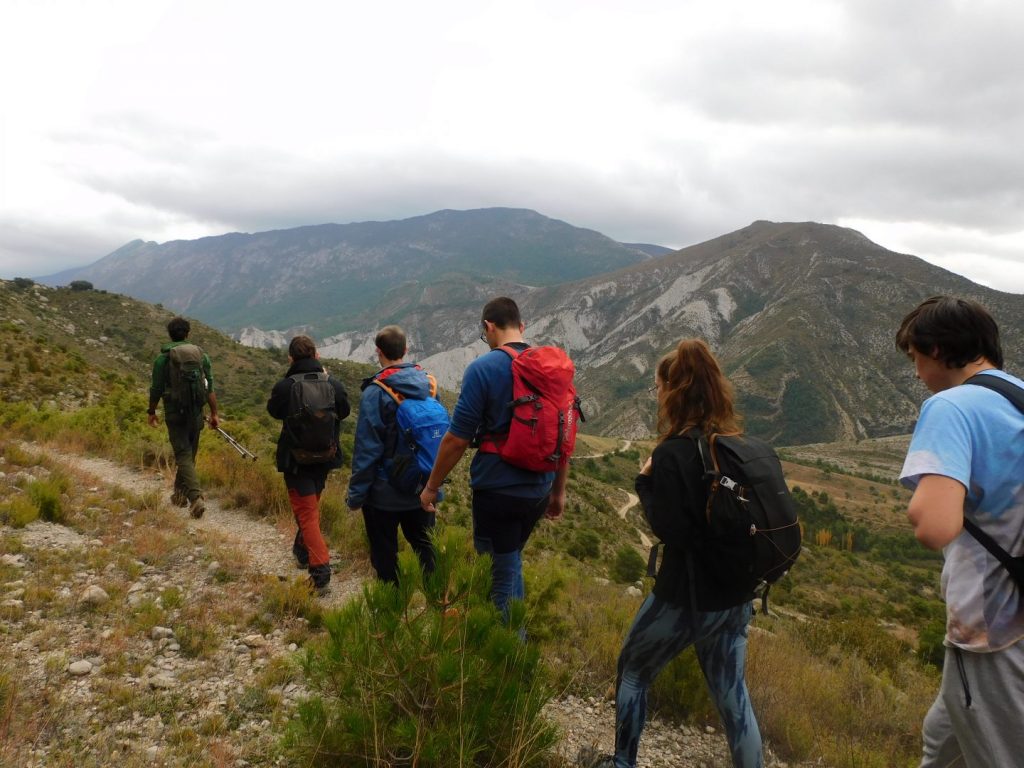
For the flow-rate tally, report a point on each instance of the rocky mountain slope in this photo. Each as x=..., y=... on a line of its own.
x=324, y=276
x=803, y=316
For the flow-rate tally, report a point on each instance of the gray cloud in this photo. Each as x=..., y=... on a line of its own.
x=891, y=112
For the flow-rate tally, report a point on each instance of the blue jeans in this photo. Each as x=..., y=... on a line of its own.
x=501, y=526
x=660, y=632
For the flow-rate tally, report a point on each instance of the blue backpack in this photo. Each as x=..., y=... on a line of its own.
x=420, y=426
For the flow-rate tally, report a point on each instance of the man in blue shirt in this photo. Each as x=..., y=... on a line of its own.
x=507, y=501
x=384, y=507
x=965, y=461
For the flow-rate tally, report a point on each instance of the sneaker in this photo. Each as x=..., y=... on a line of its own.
x=198, y=507
x=178, y=498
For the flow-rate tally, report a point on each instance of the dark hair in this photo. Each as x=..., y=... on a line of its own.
x=390, y=340
x=503, y=312
x=694, y=392
x=179, y=328
x=955, y=331
x=301, y=348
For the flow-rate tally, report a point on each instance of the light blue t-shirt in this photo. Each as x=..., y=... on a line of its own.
x=976, y=436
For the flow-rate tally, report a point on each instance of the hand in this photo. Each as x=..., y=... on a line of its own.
x=556, y=506
x=427, y=499
x=153, y=419
x=214, y=421
x=646, y=468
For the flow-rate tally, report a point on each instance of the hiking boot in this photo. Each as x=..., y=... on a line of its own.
x=589, y=757
x=198, y=507
x=322, y=590
x=178, y=498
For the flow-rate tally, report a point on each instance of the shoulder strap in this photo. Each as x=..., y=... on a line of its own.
x=509, y=350
x=1015, y=565
x=1007, y=389
x=397, y=397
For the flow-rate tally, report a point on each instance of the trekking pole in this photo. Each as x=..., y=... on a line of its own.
x=244, y=452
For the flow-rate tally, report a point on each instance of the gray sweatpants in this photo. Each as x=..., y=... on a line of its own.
x=976, y=720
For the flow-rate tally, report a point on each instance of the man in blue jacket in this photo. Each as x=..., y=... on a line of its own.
x=384, y=507
x=508, y=502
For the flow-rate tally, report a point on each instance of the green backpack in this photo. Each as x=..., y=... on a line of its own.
x=187, y=389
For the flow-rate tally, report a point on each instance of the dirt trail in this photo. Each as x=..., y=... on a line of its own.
x=266, y=547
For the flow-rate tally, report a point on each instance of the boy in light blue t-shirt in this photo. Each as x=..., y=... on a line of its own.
x=966, y=459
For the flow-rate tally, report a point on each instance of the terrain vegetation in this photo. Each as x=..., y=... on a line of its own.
x=206, y=645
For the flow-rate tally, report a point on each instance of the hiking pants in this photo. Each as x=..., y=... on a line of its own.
x=309, y=547
x=660, y=632
x=501, y=526
x=976, y=719
x=184, y=437
x=382, y=533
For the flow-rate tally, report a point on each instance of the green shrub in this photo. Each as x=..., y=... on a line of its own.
x=930, y=647
x=45, y=494
x=628, y=566
x=586, y=543
x=18, y=511
x=425, y=675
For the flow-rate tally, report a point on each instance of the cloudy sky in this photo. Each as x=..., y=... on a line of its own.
x=665, y=122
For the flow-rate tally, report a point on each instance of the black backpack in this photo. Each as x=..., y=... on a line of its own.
x=187, y=389
x=1013, y=393
x=312, y=418
x=752, y=534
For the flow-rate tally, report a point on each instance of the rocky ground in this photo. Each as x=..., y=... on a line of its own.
x=135, y=635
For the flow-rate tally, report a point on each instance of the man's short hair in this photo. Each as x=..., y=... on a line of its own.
x=391, y=341
x=956, y=331
x=179, y=328
x=301, y=348
x=503, y=312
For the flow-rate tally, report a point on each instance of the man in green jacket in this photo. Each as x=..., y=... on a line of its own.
x=183, y=377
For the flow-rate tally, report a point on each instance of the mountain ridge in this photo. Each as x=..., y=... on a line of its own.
x=801, y=314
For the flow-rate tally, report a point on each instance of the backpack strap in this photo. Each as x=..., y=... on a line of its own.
x=485, y=440
x=1015, y=565
x=1013, y=393
x=379, y=381
x=397, y=397
x=1007, y=389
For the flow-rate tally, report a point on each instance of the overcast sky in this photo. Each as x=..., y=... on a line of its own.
x=666, y=122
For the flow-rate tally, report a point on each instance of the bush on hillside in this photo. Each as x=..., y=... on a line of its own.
x=80, y=285
x=425, y=674
x=628, y=566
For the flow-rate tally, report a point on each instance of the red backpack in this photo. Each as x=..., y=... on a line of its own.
x=545, y=411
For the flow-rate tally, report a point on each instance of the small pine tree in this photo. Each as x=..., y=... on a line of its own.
x=628, y=566
x=425, y=674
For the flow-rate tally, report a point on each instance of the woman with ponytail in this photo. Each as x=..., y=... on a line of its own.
x=687, y=606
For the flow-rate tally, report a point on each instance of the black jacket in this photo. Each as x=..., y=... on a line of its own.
x=277, y=407
x=674, y=497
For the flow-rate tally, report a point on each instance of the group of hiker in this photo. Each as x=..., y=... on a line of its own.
x=964, y=466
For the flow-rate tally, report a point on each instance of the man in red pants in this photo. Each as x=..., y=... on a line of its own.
x=311, y=404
